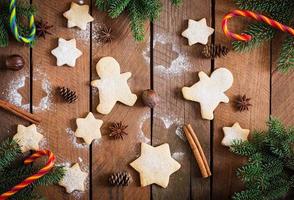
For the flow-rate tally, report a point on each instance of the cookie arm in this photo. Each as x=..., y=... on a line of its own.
x=126, y=75
x=224, y=98
x=96, y=83
x=202, y=76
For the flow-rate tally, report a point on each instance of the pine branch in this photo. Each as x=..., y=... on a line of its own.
x=137, y=22
x=117, y=7
x=176, y=2
x=260, y=33
x=286, y=59
x=9, y=151
x=267, y=174
x=139, y=12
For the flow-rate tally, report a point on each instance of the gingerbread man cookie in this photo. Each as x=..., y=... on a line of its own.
x=112, y=86
x=209, y=91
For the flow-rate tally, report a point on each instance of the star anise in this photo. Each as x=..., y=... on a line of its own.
x=117, y=130
x=42, y=28
x=104, y=34
x=242, y=103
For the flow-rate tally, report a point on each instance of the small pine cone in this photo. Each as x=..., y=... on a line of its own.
x=212, y=51
x=67, y=94
x=120, y=179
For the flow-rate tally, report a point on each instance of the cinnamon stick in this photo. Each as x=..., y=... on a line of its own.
x=197, y=151
x=19, y=112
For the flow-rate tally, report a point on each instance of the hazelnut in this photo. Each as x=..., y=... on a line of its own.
x=14, y=62
x=150, y=98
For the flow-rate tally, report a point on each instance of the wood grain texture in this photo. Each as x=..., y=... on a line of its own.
x=14, y=87
x=58, y=117
x=282, y=105
x=109, y=156
x=171, y=64
x=171, y=73
x=251, y=73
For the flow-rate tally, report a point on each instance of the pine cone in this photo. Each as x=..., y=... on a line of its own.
x=67, y=94
x=212, y=51
x=120, y=179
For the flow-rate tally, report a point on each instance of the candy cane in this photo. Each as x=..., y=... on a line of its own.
x=14, y=28
x=245, y=13
x=49, y=165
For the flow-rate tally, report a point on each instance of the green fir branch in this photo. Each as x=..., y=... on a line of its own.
x=9, y=150
x=286, y=59
x=268, y=171
x=139, y=12
x=13, y=171
x=279, y=10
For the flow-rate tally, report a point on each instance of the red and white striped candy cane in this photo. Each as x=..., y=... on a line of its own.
x=49, y=165
x=246, y=13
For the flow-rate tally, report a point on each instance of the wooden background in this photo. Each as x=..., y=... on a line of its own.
x=163, y=62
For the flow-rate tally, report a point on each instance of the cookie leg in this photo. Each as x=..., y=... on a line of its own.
x=129, y=99
x=105, y=107
x=206, y=111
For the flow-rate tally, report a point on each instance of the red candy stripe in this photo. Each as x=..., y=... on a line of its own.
x=49, y=165
x=246, y=13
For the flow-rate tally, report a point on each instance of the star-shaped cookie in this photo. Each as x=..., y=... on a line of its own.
x=28, y=138
x=88, y=128
x=66, y=53
x=112, y=85
x=234, y=133
x=197, y=32
x=78, y=15
x=73, y=179
x=209, y=91
x=155, y=165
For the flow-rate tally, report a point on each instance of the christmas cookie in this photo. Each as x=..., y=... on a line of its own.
x=73, y=179
x=28, y=138
x=66, y=53
x=234, y=133
x=197, y=32
x=209, y=91
x=78, y=15
x=155, y=165
x=112, y=86
x=88, y=128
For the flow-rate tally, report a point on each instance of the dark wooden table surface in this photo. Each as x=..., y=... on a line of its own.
x=164, y=62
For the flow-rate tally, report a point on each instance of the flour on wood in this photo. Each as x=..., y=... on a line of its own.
x=141, y=136
x=180, y=133
x=178, y=66
x=73, y=139
x=14, y=97
x=178, y=155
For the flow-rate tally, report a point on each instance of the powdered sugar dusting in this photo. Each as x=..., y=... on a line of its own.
x=46, y=101
x=180, y=133
x=14, y=97
x=73, y=139
x=141, y=136
x=178, y=66
x=178, y=155
x=169, y=119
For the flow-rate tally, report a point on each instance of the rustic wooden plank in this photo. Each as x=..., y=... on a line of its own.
x=14, y=87
x=175, y=66
x=109, y=156
x=282, y=106
x=282, y=96
x=58, y=118
x=251, y=77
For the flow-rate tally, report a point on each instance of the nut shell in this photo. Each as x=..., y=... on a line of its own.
x=14, y=62
x=150, y=98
